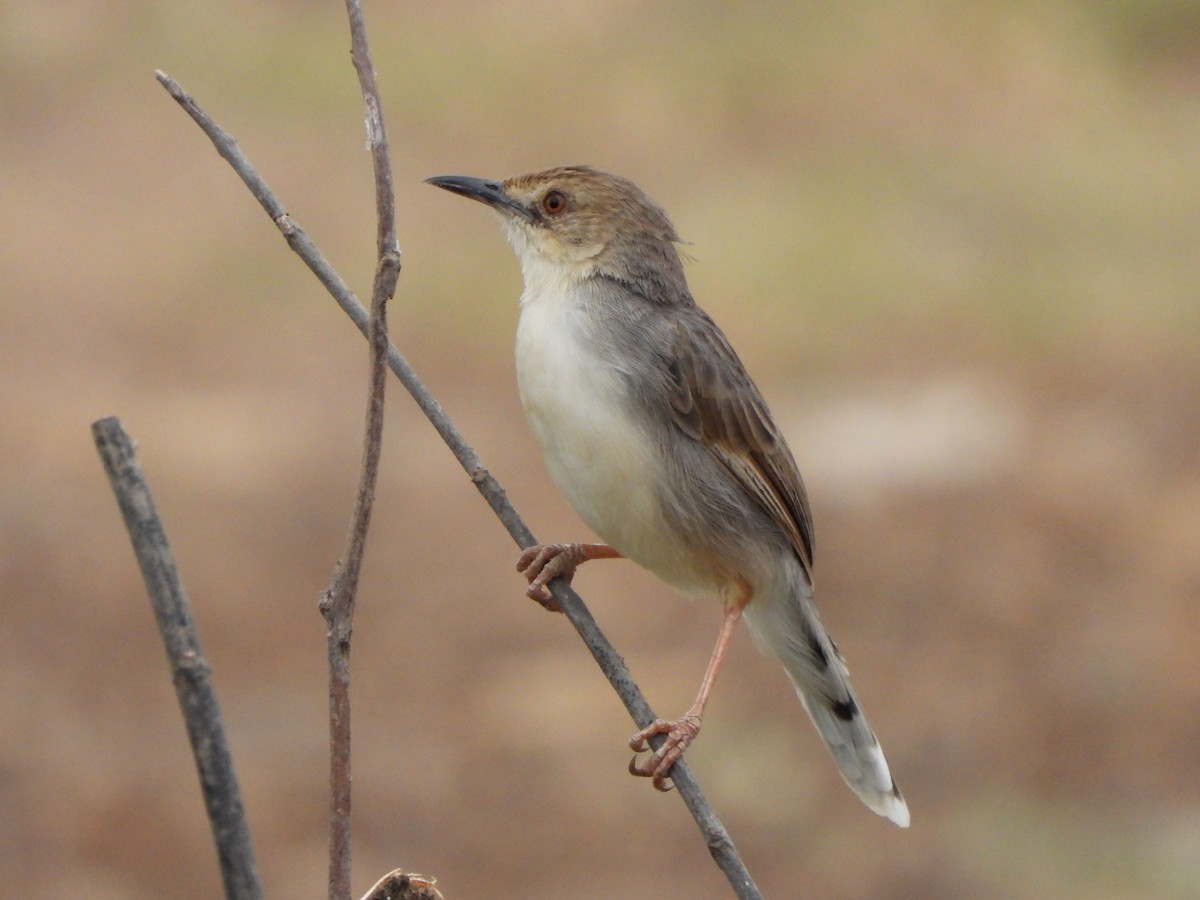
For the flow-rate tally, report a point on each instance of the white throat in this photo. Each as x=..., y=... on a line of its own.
x=548, y=268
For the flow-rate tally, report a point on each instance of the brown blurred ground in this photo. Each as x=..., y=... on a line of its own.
x=957, y=247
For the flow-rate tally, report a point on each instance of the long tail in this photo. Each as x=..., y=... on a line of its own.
x=789, y=626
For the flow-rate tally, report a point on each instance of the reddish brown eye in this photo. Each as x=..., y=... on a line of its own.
x=554, y=202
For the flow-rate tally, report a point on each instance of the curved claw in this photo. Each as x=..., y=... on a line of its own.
x=657, y=766
x=660, y=782
x=541, y=564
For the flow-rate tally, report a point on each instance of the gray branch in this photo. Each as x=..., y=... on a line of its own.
x=339, y=602
x=189, y=669
x=717, y=839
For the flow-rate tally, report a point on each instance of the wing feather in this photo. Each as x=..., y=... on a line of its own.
x=714, y=401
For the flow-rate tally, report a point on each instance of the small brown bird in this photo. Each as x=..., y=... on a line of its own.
x=663, y=445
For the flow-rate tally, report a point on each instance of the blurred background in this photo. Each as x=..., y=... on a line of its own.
x=958, y=248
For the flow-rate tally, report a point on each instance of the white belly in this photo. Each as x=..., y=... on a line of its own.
x=597, y=455
x=597, y=451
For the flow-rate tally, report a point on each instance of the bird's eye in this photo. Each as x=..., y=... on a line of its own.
x=554, y=203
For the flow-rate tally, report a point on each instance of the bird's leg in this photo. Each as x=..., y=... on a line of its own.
x=542, y=563
x=681, y=732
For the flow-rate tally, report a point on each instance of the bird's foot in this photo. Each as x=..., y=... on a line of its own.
x=657, y=766
x=542, y=563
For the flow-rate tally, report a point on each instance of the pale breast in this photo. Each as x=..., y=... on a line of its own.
x=598, y=452
x=577, y=407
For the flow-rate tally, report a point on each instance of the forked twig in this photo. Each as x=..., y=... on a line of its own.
x=189, y=669
x=338, y=602
x=716, y=837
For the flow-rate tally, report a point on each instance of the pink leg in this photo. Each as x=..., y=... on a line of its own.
x=681, y=732
x=542, y=563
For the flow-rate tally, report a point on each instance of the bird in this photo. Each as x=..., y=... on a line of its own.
x=651, y=426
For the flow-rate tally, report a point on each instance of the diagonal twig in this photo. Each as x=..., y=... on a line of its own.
x=338, y=602
x=717, y=839
x=189, y=669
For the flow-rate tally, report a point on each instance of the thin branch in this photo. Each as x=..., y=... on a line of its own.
x=339, y=601
x=385, y=195
x=720, y=845
x=189, y=669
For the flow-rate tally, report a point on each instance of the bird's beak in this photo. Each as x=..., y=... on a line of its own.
x=490, y=192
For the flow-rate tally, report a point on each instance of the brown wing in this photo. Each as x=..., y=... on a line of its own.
x=715, y=402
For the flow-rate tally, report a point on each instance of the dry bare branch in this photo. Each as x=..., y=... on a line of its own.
x=716, y=837
x=189, y=669
x=338, y=603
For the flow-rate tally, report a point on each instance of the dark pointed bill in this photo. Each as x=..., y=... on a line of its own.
x=482, y=189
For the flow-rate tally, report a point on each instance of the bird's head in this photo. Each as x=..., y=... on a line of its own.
x=579, y=219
